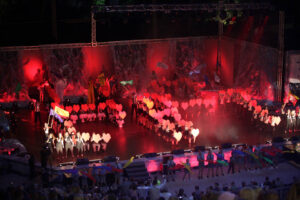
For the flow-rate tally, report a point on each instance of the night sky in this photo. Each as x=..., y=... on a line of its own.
x=34, y=22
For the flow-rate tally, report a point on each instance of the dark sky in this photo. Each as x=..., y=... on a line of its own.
x=30, y=22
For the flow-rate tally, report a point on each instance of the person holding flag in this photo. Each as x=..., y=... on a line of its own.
x=187, y=169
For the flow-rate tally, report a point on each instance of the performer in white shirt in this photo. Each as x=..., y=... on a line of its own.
x=96, y=138
x=59, y=145
x=79, y=144
x=69, y=144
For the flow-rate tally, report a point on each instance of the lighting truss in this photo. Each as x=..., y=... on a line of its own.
x=180, y=7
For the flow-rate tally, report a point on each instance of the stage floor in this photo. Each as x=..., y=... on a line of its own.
x=133, y=139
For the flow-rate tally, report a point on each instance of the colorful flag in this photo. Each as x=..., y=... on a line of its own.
x=61, y=112
x=129, y=162
x=126, y=82
x=53, y=113
x=89, y=176
x=68, y=175
x=187, y=167
x=222, y=162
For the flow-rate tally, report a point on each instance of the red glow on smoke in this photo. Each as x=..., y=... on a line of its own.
x=246, y=28
x=96, y=60
x=31, y=61
x=158, y=52
x=260, y=30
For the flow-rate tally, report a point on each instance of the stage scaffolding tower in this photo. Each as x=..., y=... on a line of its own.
x=280, y=56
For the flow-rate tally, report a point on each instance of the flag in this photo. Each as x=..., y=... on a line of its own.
x=187, y=167
x=126, y=82
x=68, y=175
x=223, y=162
x=89, y=176
x=128, y=162
x=53, y=113
x=268, y=160
x=61, y=112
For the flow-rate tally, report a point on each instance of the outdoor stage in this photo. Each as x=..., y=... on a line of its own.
x=134, y=139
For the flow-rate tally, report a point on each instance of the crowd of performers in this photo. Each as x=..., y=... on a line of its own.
x=212, y=163
x=108, y=110
x=169, y=119
x=284, y=119
x=68, y=140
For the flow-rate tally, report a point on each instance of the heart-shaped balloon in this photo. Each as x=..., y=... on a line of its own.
x=167, y=112
x=189, y=124
x=152, y=113
x=159, y=115
x=120, y=123
x=74, y=118
x=68, y=123
x=92, y=106
x=195, y=133
x=76, y=108
x=177, y=136
x=122, y=114
x=192, y=102
x=184, y=105
x=171, y=126
x=174, y=110
x=101, y=106
x=85, y=136
x=119, y=107
x=175, y=104
x=168, y=96
x=69, y=109
x=177, y=117
x=84, y=107
x=199, y=102
x=168, y=103
x=150, y=105
x=106, y=137
x=96, y=137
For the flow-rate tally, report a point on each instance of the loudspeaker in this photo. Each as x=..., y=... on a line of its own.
x=226, y=146
x=109, y=159
x=82, y=161
x=277, y=140
x=150, y=155
x=197, y=148
x=178, y=152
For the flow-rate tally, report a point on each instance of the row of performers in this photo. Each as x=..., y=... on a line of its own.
x=290, y=118
x=80, y=142
x=166, y=132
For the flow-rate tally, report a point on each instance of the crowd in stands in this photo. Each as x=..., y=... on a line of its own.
x=49, y=185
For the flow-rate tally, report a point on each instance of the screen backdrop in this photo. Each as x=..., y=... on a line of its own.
x=243, y=64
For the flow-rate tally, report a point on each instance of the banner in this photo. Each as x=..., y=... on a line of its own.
x=61, y=112
x=53, y=113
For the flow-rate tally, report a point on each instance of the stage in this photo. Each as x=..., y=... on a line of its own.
x=134, y=139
